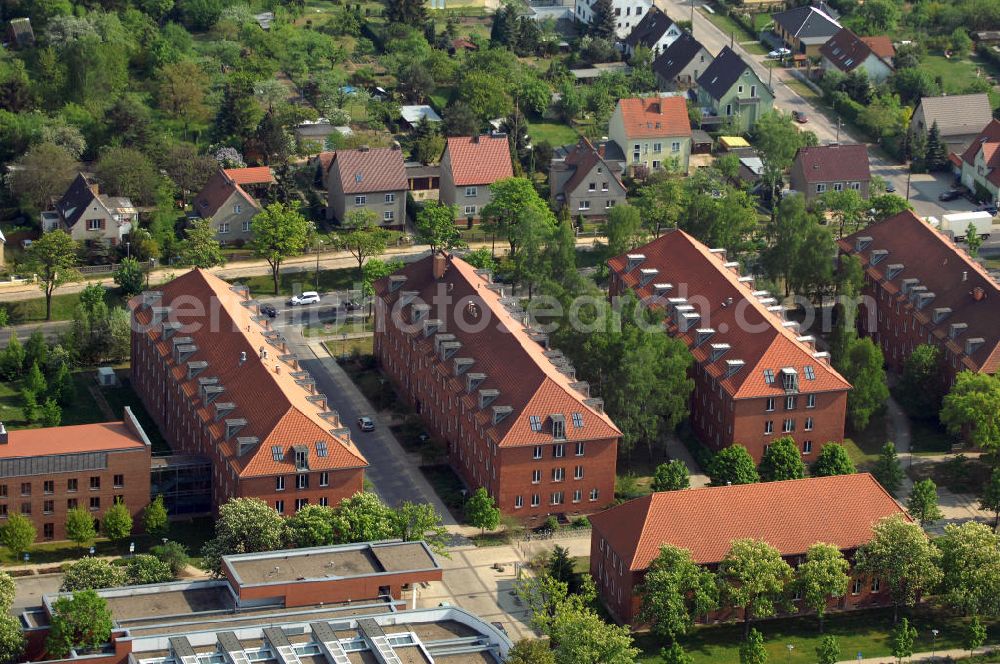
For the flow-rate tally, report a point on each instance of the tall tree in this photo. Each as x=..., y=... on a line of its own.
x=239, y=113
x=777, y=140
x=560, y=254
x=800, y=249
x=602, y=21
x=675, y=654
x=531, y=651
x=824, y=574
x=624, y=229
x=129, y=172
x=244, y=525
x=81, y=620
x=923, y=502
x=560, y=566
x=920, y=384
x=900, y=554
x=753, y=576
x=671, y=476
x=80, y=526
x=973, y=240
x=42, y=173
x=435, y=225
x=902, y=638
x=53, y=258
x=406, y=12
x=975, y=635
x=828, y=650
x=155, y=519
x=481, y=511
x=278, y=232
x=661, y=203
x=970, y=567
x=512, y=198
x=117, y=522
x=937, y=152
x=752, y=649
x=782, y=461
x=990, y=499
x=362, y=238
x=188, y=170
x=362, y=517
x=733, y=465
x=972, y=409
x=18, y=534
x=531, y=235
x=863, y=367
x=887, y=470
x=200, y=248
x=833, y=460
x=419, y=521
x=129, y=277
x=582, y=637
x=91, y=574
x=675, y=592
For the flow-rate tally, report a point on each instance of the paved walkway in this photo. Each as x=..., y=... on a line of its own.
x=938, y=656
x=676, y=449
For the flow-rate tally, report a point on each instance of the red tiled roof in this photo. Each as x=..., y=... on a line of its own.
x=219, y=188
x=737, y=317
x=255, y=175
x=881, y=46
x=369, y=170
x=654, y=117
x=479, y=160
x=987, y=141
x=326, y=160
x=264, y=390
x=513, y=362
x=948, y=273
x=791, y=516
x=831, y=163
x=955, y=160
x=105, y=436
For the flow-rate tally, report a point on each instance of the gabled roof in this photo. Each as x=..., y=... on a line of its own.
x=847, y=51
x=881, y=45
x=415, y=113
x=650, y=29
x=654, y=117
x=479, y=160
x=275, y=408
x=735, y=313
x=790, y=515
x=502, y=352
x=20, y=29
x=677, y=56
x=368, y=170
x=987, y=141
x=808, y=23
x=957, y=115
x=254, y=175
x=582, y=158
x=723, y=73
x=219, y=189
x=948, y=273
x=835, y=163
x=83, y=195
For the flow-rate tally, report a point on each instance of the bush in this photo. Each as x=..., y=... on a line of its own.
x=173, y=554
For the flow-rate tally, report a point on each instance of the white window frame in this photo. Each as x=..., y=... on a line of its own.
x=675, y=146
x=237, y=208
x=279, y=483
x=594, y=495
x=324, y=479
x=471, y=192
x=558, y=474
x=768, y=427
x=223, y=228
x=810, y=401
x=470, y=210
x=246, y=226
x=809, y=424
x=807, y=447
x=580, y=449
x=518, y=502
x=578, y=473
x=537, y=452
x=821, y=188
x=360, y=200
x=390, y=198
x=536, y=477
x=584, y=205
x=93, y=224
x=535, y=500
x=788, y=425
x=388, y=215
x=838, y=186
x=279, y=506
x=769, y=405
x=657, y=148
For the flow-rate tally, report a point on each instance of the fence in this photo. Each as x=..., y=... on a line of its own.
x=91, y=270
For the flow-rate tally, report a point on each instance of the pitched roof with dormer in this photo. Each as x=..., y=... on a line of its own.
x=83, y=194
x=790, y=515
x=582, y=158
x=833, y=163
x=478, y=160
x=943, y=286
x=847, y=51
x=219, y=189
x=669, y=64
x=988, y=140
x=722, y=74
x=737, y=335
x=654, y=117
x=650, y=29
x=249, y=391
x=475, y=335
x=809, y=24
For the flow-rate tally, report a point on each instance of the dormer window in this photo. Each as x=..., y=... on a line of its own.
x=789, y=380
x=558, y=426
x=301, y=457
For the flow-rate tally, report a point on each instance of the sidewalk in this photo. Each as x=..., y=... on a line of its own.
x=678, y=450
x=939, y=656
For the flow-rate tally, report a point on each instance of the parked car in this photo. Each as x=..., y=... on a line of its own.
x=800, y=117
x=268, y=310
x=352, y=305
x=988, y=207
x=950, y=195
x=308, y=297
x=366, y=424
x=779, y=53
x=890, y=188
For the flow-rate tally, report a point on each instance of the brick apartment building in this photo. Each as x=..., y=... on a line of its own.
x=219, y=382
x=921, y=288
x=44, y=473
x=513, y=415
x=791, y=516
x=756, y=378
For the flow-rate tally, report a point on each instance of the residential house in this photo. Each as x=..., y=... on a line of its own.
x=980, y=162
x=756, y=376
x=804, y=29
x=415, y=114
x=920, y=288
x=469, y=166
x=959, y=118
x=227, y=201
x=652, y=132
x=730, y=91
x=20, y=33
x=791, y=516
x=423, y=180
x=681, y=63
x=90, y=216
x=585, y=179
x=656, y=31
x=368, y=179
x=751, y=169
x=628, y=13
x=882, y=46
x=219, y=382
x=512, y=414
x=846, y=52
x=818, y=169
x=47, y=472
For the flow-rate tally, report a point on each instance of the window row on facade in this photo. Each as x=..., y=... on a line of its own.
x=557, y=498
x=72, y=485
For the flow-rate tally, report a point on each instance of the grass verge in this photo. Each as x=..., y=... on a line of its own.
x=63, y=306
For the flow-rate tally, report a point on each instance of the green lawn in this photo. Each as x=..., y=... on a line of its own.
x=864, y=446
x=63, y=306
x=956, y=72
x=123, y=395
x=290, y=282
x=83, y=409
x=555, y=134
x=803, y=90
x=735, y=30
x=929, y=437
x=866, y=632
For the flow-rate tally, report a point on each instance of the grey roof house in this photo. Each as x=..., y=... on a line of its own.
x=90, y=216
x=959, y=118
x=20, y=33
x=804, y=29
x=368, y=178
x=656, y=31
x=586, y=179
x=730, y=91
x=680, y=65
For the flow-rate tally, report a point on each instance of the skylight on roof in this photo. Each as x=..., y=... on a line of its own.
x=277, y=453
x=321, y=448
x=578, y=420
x=536, y=422
x=809, y=372
x=769, y=376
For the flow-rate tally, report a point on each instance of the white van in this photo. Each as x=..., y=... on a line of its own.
x=308, y=297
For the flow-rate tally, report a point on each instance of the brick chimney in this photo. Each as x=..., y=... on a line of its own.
x=978, y=294
x=475, y=139
x=601, y=147
x=439, y=265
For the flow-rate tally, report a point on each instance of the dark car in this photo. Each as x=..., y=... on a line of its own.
x=800, y=117
x=890, y=188
x=268, y=310
x=950, y=195
x=352, y=305
x=366, y=424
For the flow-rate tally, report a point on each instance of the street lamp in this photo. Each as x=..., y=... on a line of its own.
x=790, y=649
x=934, y=645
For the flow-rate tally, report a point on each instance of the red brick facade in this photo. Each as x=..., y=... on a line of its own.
x=267, y=432
x=755, y=377
x=511, y=420
x=88, y=466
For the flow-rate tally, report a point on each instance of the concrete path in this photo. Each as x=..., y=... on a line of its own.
x=939, y=656
x=395, y=476
x=678, y=450
x=899, y=433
